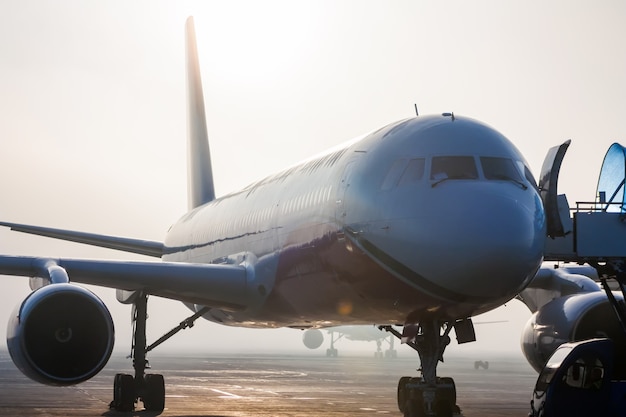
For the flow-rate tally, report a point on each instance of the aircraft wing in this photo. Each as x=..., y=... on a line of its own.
x=139, y=246
x=550, y=283
x=220, y=286
x=360, y=333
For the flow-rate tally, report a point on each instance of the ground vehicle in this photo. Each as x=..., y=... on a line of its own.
x=578, y=380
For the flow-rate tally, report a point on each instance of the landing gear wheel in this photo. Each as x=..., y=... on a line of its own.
x=414, y=408
x=443, y=409
x=147, y=388
x=123, y=393
x=154, y=395
x=402, y=394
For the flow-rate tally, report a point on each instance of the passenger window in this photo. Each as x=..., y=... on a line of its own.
x=453, y=167
x=413, y=172
x=499, y=169
x=391, y=179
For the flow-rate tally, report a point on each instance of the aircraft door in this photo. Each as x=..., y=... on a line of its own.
x=341, y=209
x=548, y=182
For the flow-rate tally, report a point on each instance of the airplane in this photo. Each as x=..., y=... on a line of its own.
x=423, y=223
x=313, y=339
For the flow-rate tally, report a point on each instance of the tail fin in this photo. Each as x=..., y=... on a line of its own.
x=200, y=174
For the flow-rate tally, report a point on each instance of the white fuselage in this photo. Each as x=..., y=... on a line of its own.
x=431, y=216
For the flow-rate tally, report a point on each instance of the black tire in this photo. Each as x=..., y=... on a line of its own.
x=414, y=408
x=443, y=409
x=451, y=392
x=123, y=392
x=154, y=396
x=402, y=394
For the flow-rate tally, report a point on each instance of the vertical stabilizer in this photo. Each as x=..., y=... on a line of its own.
x=200, y=174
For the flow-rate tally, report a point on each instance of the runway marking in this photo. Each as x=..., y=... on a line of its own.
x=191, y=386
x=373, y=409
x=225, y=394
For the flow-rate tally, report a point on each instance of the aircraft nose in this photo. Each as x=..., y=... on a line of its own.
x=488, y=244
x=483, y=243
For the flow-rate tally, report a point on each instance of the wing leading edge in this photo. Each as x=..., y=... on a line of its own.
x=218, y=286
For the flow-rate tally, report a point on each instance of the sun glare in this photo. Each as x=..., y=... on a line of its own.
x=245, y=43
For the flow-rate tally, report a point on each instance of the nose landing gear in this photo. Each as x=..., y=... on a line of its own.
x=427, y=395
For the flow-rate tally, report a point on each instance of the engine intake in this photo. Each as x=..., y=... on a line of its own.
x=569, y=319
x=312, y=338
x=61, y=334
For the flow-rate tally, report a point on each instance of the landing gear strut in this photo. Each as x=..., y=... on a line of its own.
x=390, y=353
x=427, y=395
x=147, y=388
x=617, y=270
x=150, y=389
x=332, y=351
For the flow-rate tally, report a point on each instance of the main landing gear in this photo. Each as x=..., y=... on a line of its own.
x=332, y=351
x=428, y=395
x=390, y=353
x=128, y=390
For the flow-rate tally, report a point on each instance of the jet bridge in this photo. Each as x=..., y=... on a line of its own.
x=591, y=232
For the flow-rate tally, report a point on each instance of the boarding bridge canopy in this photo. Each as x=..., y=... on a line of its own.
x=610, y=191
x=593, y=231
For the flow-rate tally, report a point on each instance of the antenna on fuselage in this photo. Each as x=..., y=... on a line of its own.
x=450, y=115
x=416, y=112
x=200, y=173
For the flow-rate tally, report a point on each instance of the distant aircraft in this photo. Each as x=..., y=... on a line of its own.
x=313, y=339
x=424, y=223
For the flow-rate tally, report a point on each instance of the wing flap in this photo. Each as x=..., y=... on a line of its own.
x=139, y=246
x=219, y=286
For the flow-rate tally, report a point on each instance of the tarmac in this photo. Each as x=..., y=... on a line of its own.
x=275, y=385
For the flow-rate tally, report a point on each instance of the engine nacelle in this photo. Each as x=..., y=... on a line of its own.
x=312, y=338
x=568, y=319
x=61, y=334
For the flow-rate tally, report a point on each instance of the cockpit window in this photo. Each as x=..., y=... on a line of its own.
x=499, y=169
x=393, y=175
x=527, y=173
x=403, y=172
x=413, y=172
x=453, y=167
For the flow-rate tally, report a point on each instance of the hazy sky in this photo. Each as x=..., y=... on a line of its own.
x=92, y=109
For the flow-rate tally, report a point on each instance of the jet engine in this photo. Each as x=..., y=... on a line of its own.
x=61, y=334
x=567, y=319
x=312, y=338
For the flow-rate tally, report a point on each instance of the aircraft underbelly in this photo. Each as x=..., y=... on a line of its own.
x=329, y=281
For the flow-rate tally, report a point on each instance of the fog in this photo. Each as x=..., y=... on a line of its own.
x=92, y=105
